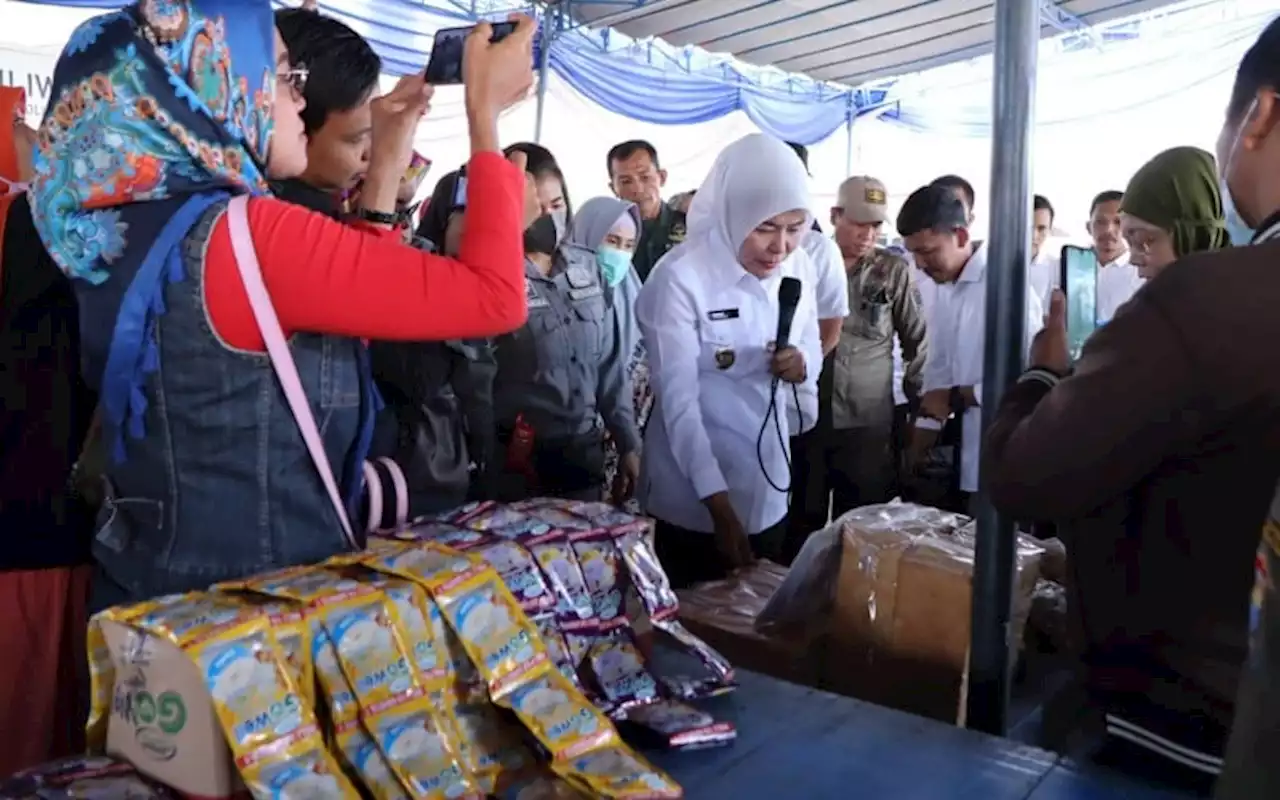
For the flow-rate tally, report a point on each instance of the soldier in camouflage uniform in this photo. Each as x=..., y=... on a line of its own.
x=636, y=177
x=848, y=454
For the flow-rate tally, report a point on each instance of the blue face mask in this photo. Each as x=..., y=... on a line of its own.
x=614, y=264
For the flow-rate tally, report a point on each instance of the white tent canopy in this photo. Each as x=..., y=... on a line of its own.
x=844, y=41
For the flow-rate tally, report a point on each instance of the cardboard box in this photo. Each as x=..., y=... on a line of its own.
x=162, y=720
x=878, y=609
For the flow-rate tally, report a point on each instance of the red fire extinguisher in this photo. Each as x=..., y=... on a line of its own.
x=520, y=448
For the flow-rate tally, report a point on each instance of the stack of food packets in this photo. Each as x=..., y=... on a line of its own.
x=588, y=556
x=395, y=672
x=81, y=777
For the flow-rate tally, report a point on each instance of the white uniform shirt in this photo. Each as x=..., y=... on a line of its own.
x=1117, y=282
x=707, y=328
x=957, y=331
x=927, y=289
x=832, y=287
x=1043, y=276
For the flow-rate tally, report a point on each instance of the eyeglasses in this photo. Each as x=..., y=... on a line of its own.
x=295, y=79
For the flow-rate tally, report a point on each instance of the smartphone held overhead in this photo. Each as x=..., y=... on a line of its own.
x=444, y=67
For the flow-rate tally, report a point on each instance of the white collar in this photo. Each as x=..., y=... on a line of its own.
x=975, y=269
x=1121, y=261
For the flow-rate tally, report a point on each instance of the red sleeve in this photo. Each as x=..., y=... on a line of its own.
x=327, y=277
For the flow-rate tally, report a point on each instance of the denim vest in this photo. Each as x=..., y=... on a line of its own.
x=221, y=485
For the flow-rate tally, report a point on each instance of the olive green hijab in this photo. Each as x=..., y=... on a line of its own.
x=1178, y=191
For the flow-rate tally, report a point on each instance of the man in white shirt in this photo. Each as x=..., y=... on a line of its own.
x=833, y=298
x=1043, y=272
x=1118, y=280
x=709, y=317
x=934, y=225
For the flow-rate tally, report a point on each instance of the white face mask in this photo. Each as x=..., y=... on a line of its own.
x=1240, y=232
x=560, y=217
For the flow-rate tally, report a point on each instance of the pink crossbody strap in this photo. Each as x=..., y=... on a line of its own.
x=281, y=359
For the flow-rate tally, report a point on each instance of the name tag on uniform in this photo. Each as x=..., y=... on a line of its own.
x=722, y=314
x=583, y=294
x=531, y=296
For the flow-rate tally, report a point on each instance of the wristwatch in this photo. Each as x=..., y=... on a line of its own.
x=379, y=217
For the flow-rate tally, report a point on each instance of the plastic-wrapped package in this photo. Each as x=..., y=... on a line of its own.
x=96, y=777
x=891, y=580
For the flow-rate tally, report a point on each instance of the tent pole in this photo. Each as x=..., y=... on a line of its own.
x=848, y=149
x=550, y=21
x=1017, y=40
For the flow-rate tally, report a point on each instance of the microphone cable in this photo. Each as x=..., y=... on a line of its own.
x=772, y=411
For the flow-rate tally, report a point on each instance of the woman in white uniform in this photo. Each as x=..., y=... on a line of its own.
x=709, y=317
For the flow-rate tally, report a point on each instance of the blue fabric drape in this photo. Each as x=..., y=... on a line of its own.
x=667, y=93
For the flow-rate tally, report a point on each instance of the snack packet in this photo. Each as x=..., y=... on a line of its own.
x=617, y=772
x=673, y=725
x=371, y=650
x=489, y=516
x=102, y=679
x=647, y=576
x=520, y=573
x=620, y=672
x=496, y=634
x=552, y=511
x=490, y=748
x=600, y=566
x=455, y=516
x=427, y=650
x=253, y=695
x=559, y=716
x=301, y=584
x=333, y=681
x=574, y=610
x=419, y=753
x=293, y=635
x=298, y=766
x=95, y=777
x=557, y=649
x=445, y=533
x=599, y=515
x=368, y=763
x=424, y=563
x=182, y=618
x=721, y=670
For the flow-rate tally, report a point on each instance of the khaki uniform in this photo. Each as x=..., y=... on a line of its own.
x=847, y=461
x=659, y=236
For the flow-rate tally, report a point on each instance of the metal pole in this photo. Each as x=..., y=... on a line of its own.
x=848, y=150
x=1017, y=39
x=550, y=21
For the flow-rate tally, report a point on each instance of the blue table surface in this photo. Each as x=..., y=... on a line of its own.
x=794, y=741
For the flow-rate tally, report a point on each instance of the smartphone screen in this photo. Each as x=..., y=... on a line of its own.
x=444, y=67
x=1079, y=282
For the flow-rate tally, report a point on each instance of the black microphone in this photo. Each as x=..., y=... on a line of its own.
x=788, y=299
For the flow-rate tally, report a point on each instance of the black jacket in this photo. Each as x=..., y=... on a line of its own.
x=438, y=418
x=45, y=406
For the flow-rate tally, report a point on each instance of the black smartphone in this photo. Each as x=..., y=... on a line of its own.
x=1079, y=282
x=444, y=67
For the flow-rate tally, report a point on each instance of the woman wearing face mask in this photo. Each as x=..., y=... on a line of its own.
x=566, y=369
x=210, y=477
x=549, y=230
x=44, y=413
x=1172, y=208
x=715, y=482
x=610, y=227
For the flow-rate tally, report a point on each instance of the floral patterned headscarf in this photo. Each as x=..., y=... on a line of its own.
x=156, y=112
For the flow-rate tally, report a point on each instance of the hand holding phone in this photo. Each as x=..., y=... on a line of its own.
x=1049, y=348
x=448, y=49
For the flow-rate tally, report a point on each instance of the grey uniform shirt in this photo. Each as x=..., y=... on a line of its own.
x=567, y=364
x=883, y=301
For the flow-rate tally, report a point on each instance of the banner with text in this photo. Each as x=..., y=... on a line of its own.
x=32, y=69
